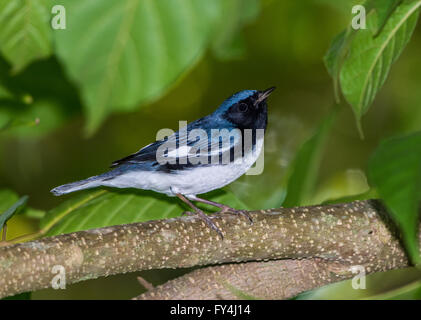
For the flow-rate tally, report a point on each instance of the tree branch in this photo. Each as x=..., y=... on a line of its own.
x=277, y=279
x=353, y=233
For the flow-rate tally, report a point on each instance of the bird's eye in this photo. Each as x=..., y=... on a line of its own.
x=242, y=107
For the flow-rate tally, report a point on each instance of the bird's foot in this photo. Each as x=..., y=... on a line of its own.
x=244, y=213
x=208, y=220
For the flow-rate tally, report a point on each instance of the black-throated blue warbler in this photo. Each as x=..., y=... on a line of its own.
x=195, y=159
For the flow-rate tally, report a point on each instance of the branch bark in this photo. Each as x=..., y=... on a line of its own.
x=277, y=279
x=348, y=234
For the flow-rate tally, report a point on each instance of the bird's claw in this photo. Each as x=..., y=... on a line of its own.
x=188, y=213
x=244, y=213
x=206, y=219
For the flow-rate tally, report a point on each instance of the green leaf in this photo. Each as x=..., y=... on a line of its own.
x=6, y=215
x=383, y=10
x=395, y=170
x=16, y=123
x=342, y=185
x=410, y=291
x=306, y=165
x=101, y=208
x=370, y=194
x=228, y=42
x=370, y=57
x=390, y=285
x=129, y=52
x=5, y=93
x=25, y=34
x=338, y=50
x=33, y=119
x=335, y=56
x=8, y=198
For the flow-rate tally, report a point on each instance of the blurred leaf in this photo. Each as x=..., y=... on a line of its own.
x=20, y=296
x=33, y=213
x=391, y=285
x=6, y=215
x=409, y=291
x=395, y=171
x=41, y=80
x=370, y=58
x=338, y=50
x=249, y=188
x=370, y=194
x=229, y=42
x=101, y=208
x=143, y=47
x=5, y=93
x=282, y=142
x=335, y=56
x=48, y=101
x=347, y=184
x=8, y=198
x=306, y=165
x=344, y=6
x=25, y=34
x=383, y=10
x=16, y=123
x=65, y=208
x=33, y=119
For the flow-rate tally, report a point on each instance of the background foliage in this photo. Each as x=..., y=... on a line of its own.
x=74, y=100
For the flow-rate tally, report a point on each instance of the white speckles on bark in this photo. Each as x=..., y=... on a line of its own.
x=75, y=257
x=279, y=279
x=330, y=232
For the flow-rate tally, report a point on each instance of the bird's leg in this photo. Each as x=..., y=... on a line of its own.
x=224, y=208
x=200, y=214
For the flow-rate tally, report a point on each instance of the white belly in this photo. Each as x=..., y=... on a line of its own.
x=188, y=182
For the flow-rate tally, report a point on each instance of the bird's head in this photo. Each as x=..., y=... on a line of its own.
x=246, y=109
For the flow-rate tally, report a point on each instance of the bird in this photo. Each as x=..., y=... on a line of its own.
x=183, y=167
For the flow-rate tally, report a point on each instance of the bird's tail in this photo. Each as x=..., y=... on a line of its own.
x=88, y=183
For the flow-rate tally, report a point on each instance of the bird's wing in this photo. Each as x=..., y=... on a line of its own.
x=185, y=143
x=215, y=143
x=146, y=154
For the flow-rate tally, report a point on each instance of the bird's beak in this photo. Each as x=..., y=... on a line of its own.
x=264, y=94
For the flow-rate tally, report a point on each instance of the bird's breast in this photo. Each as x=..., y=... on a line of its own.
x=202, y=179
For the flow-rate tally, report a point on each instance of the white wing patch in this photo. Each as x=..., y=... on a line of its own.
x=219, y=142
x=182, y=151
